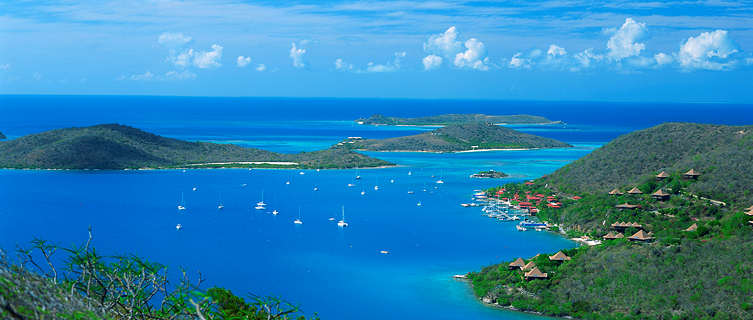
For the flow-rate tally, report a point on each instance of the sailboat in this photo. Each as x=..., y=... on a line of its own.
x=363, y=192
x=418, y=204
x=410, y=173
x=298, y=221
x=275, y=212
x=181, y=206
x=342, y=222
x=260, y=205
x=358, y=176
x=178, y=227
x=220, y=206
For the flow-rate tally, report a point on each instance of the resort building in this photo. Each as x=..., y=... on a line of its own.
x=641, y=236
x=635, y=190
x=529, y=266
x=615, y=192
x=624, y=225
x=691, y=174
x=535, y=274
x=613, y=235
x=517, y=264
x=660, y=195
x=559, y=256
x=693, y=227
x=661, y=176
x=627, y=206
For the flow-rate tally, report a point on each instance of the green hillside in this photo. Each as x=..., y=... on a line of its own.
x=694, y=259
x=113, y=146
x=446, y=119
x=459, y=137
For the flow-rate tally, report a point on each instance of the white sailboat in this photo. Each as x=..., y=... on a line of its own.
x=342, y=222
x=220, y=206
x=298, y=220
x=363, y=192
x=275, y=212
x=181, y=206
x=418, y=204
x=358, y=176
x=178, y=227
x=261, y=203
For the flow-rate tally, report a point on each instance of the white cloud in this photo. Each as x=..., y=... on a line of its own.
x=393, y=65
x=749, y=61
x=341, y=65
x=142, y=76
x=242, y=61
x=261, y=67
x=296, y=54
x=179, y=75
x=662, y=58
x=555, y=51
x=208, y=59
x=473, y=57
x=623, y=43
x=173, y=39
x=444, y=44
x=5, y=66
x=586, y=58
x=519, y=62
x=708, y=50
x=432, y=62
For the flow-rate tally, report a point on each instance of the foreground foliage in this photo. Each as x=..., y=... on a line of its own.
x=91, y=286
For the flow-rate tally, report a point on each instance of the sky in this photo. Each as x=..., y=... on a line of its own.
x=665, y=51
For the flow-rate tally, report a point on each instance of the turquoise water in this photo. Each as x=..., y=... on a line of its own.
x=338, y=273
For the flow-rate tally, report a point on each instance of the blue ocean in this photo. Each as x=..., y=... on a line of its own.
x=338, y=273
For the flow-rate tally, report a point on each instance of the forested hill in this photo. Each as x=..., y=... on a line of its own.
x=460, y=137
x=2, y=136
x=113, y=146
x=446, y=119
x=722, y=154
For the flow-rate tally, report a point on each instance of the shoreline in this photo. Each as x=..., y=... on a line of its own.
x=446, y=124
x=461, y=151
x=202, y=168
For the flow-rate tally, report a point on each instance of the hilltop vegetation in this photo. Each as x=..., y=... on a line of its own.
x=446, y=119
x=113, y=146
x=695, y=264
x=723, y=154
x=459, y=137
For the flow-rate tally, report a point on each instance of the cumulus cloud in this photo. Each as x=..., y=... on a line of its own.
x=556, y=51
x=448, y=45
x=662, y=58
x=432, y=62
x=341, y=65
x=261, y=67
x=586, y=58
x=624, y=42
x=708, y=50
x=473, y=57
x=519, y=62
x=170, y=75
x=199, y=59
x=393, y=65
x=173, y=39
x=142, y=76
x=242, y=61
x=179, y=75
x=296, y=54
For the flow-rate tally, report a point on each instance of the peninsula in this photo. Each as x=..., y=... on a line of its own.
x=447, y=119
x=470, y=136
x=114, y=146
x=489, y=174
x=668, y=214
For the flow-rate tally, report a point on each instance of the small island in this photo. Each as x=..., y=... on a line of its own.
x=466, y=137
x=490, y=174
x=2, y=136
x=114, y=146
x=448, y=119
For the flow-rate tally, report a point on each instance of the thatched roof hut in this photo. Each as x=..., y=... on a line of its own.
x=641, y=236
x=663, y=175
x=530, y=265
x=627, y=206
x=559, y=256
x=517, y=264
x=691, y=174
x=660, y=195
x=535, y=274
x=615, y=192
x=635, y=190
x=613, y=235
x=693, y=227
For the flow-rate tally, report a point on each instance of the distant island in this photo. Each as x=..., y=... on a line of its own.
x=114, y=146
x=489, y=174
x=668, y=217
x=471, y=136
x=447, y=119
x=2, y=136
